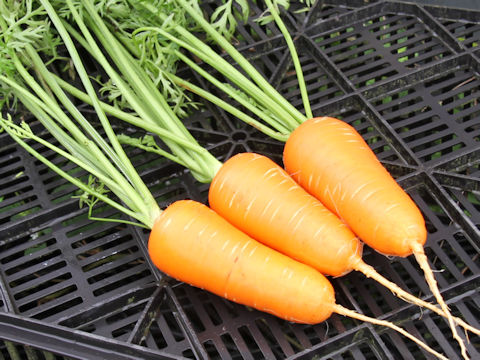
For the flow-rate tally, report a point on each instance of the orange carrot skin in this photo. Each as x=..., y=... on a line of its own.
x=328, y=158
x=257, y=196
x=193, y=244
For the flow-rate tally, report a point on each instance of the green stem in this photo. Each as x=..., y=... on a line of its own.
x=206, y=54
x=197, y=164
x=140, y=107
x=127, y=43
x=245, y=64
x=296, y=60
x=8, y=128
x=255, y=108
x=90, y=154
x=94, y=218
x=124, y=139
x=96, y=155
x=45, y=75
x=74, y=146
x=123, y=163
x=230, y=108
x=135, y=76
x=48, y=100
x=150, y=107
x=129, y=118
x=134, y=73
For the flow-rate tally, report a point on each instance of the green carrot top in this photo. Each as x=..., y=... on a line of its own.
x=27, y=76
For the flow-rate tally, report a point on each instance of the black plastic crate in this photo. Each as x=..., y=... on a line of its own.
x=405, y=76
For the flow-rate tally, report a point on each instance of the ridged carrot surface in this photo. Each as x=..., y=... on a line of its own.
x=257, y=196
x=192, y=243
x=328, y=158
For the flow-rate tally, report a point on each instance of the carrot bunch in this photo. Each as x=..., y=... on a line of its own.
x=325, y=156
x=280, y=224
x=284, y=119
x=249, y=190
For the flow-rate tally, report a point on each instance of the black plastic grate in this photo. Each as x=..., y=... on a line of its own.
x=434, y=110
x=466, y=33
x=19, y=196
x=70, y=266
x=320, y=86
x=464, y=28
x=239, y=328
x=13, y=351
x=405, y=76
x=378, y=47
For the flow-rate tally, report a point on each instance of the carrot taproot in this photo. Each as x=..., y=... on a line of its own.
x=193, y=244
x=332, y=161
x=259, y=197
x=370, y=272
x=327, y=264
x=329, y=159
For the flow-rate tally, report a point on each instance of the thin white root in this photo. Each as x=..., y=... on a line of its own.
x=422, y=260
x=370, y=272
x=353, y=314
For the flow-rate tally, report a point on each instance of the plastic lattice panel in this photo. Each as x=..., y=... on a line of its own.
x=405, y=76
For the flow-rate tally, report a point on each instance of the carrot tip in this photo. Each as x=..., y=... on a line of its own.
x=354, y=315
x=422, y=260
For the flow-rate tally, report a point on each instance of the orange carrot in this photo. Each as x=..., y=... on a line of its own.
x=192, y=243
x=258, y=197
x=261, y=199
x=328, y=158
